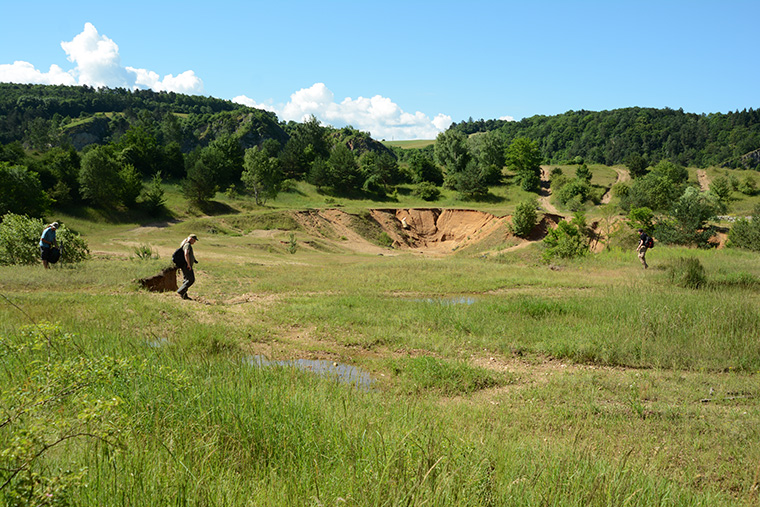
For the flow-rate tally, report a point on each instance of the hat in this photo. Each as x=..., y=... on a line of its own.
x=54, y=224
x=193, y=236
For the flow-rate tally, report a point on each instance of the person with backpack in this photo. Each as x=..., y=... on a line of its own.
x=47, y=243
x=184, y=258
x=645, y=243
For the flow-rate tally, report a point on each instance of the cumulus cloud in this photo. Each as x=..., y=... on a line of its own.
x=507, y=118
x=378, y=115
x=98, y=63
x=247, y=101
x=24, y=72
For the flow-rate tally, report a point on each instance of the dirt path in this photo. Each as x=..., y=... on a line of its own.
x=544, y=195
x=704, y=181
x=622, y=175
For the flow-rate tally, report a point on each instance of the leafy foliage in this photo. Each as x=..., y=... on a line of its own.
x=20, y=236
x=21, y=191
x=524, y=158
x=745, y=233
x=619, y=136
x=427, y=191
x=525, y=218
x=569, y=240
x=687, y=222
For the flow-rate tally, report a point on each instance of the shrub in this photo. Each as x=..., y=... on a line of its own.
x=145, y=252
x=687, y=272
x=20, y=236
x=427, y=191
x=745, y=233
x=567, y=241
x=525, y=218
x=577, y=190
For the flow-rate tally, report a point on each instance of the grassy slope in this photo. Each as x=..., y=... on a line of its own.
x=590, y=383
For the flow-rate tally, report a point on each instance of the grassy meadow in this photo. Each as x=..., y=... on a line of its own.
x=497, y=379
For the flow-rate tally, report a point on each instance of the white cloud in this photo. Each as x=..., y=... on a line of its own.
x=98, y=63
x=378, y=115
x=24, y=72
x=247, y=101
x=507, y=118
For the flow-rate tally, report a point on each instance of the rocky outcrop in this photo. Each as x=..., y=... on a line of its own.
x=751, y=159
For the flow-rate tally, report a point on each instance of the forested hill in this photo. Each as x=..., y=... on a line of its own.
x=611, y=137
x=40, y=116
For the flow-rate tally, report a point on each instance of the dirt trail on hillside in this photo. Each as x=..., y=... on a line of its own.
x=622, y=175
x=704, y=181
x=545, y=193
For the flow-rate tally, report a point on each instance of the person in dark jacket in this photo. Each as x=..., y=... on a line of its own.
x=188, y=273
x=642, y=248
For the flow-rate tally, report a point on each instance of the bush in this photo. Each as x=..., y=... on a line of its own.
x=577, y=191
x=145, y=252
x=568, y=240
x=427, y=191
x=525, y=218
x=20, y=237
x=745, y=233
x=687, y=272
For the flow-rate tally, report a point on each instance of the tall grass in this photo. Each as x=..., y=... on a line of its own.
x=603, y=384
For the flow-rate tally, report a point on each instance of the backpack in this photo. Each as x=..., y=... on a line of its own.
x=54, y=255
x=178, y=257
x=649, y=243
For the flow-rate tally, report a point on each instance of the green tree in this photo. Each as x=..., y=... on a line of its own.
x=525, y=218
x=524, y=158
x=131, y=185
x=637, y=165
x=262, y=175
x=140, y=149
x=583, y=173
x=199, y=186
x=658, y=190
x=422, y=168
x=342, y=170
x=745, y=232
x=452, y=153
x=99, y=179
x=720, y=187
x=488, y=150
x=21, y=191
x=154, y=197
x=686, y=223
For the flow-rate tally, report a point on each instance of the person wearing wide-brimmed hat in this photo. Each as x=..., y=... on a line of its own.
x=47, y=242
x=187, y=270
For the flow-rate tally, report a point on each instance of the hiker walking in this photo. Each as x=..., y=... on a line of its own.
x=645, y=242
x=47, y=242
x=187, y=267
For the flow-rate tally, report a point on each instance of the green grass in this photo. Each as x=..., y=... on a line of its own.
x=422, y=143
x=497, y=379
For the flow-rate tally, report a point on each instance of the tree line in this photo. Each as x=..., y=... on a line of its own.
x=67, y=146
x=613, y=137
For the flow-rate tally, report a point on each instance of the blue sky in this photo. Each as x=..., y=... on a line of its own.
x=399, y=69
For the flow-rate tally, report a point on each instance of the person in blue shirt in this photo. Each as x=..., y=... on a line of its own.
x=47, y=241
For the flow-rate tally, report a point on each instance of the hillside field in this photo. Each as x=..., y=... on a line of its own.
x=332, y=356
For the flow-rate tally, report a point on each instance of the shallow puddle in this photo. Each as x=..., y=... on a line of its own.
x=344, y=373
